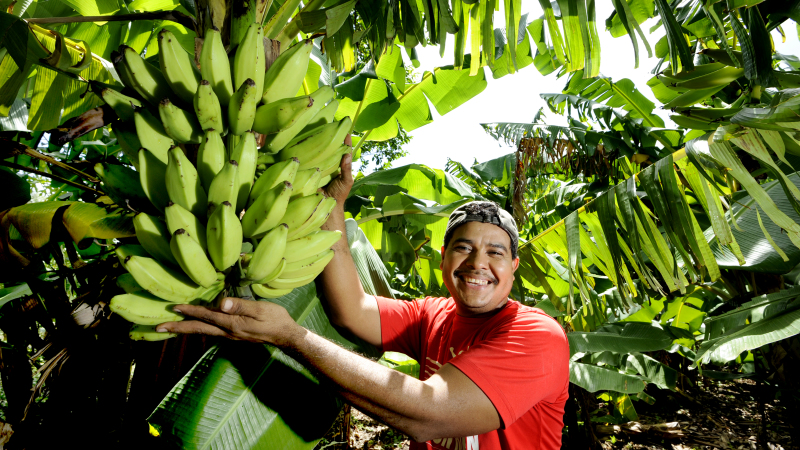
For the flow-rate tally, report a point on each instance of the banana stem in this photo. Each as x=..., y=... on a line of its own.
x=34, y=154
x=50, y=175
x=361, y=140
x=173, y=16
x=305, y=87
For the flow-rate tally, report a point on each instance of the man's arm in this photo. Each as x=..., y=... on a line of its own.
x=448, y=404
x=348, y=305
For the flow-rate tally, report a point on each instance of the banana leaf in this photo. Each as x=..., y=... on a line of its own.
x=595, y=378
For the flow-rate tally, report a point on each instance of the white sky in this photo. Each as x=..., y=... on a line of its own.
x=515, y=98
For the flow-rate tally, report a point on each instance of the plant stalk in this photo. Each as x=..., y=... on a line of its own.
x=50, y=175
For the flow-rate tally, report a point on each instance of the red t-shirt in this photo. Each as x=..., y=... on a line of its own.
x=519, y=357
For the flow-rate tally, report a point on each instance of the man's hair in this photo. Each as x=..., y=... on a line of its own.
x=486, y=212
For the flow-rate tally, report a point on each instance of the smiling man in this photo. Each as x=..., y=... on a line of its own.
x=494, y=373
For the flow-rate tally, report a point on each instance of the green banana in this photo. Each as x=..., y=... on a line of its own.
x=122, y=184
x=180, y=125
x=144, y=78
x=224, y=235
x=268, y=253
x=316, y=220
x=709, y=114
x=310, y=244
x=691, y=123
x=192, y=258
x=179, y=217
x=274, y=274
x=291, y=283
x=306, y=182
x=225, y=186
x=153, y=235
x=300, y=210
x=312, y=265
x=281, y=121
x=267, y=211
x=127, y=283
x=214, y=66
x=276, y=173
x=246, y=57
x=286, y=74
x=151, y=134
x=210, y=157
x=324, y=116
x=246, y=154
x=183, y=186
x=261, y=63
x=317, y=145
x=332, y=163
x=207, y=107
x=264, y=291
x=119, y=102
x=128, y=141
x=325, y=180
x=152, y=173
x=177, y=66
x=161, y=280
x=143, y=309
x=242, y=108
x=148, y=333
x=123, y=251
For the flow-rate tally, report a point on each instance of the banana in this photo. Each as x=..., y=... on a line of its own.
x=119, y=102
x=127, y=283
x=148, y=333
x=268, y=254
x=317, y=145
x=246, y=154
x=306, y=182
x=291, y=283
x=324, y=116
x=274, y=274
x=180, y=125
x=179, y=217
x=267, y=211
x=281, y=121
x=151, y=176
x=123, y=251
x=325, y=180
x=143, y=309
x=161, y=280
x=242, y=108
x=308, y=266
x=151, y=134
x=128, y=141
x=265, y=291
x=192, y=258
x=210, y=157
x=276, y=173
x=177, y=66
x=144, y=78
x=225, y=186
x=261, y=63
x=332, y=163
x=310, y=244
x=246, y=58
x=207, y=107
x=714, y=115
x=153, y=235
x=122, y=184
x=300, y=210
x=224, y=236
x=286, y=74
x=317, y=218
x=691, y=123
x=214, y=66
x=183, y=186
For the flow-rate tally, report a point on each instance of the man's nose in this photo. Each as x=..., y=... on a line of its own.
x=477, y=260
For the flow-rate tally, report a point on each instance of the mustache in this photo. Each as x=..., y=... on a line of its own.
x=492, y=279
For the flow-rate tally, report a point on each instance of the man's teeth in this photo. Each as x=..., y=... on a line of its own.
x=475, y=281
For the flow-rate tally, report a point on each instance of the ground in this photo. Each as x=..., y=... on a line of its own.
x=713, y=415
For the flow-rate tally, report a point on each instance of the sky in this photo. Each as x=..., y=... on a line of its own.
x=515, y=98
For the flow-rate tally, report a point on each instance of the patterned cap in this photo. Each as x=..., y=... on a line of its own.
x=486, y=212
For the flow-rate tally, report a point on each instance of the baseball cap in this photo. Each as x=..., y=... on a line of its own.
x=486, y=212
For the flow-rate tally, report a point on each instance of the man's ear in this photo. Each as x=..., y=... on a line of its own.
x=515, y=263
x=441, y=263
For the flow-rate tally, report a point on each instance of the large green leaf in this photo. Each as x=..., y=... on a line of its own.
x=632, y=337
x=594, y=378
x=371, y=271
x=242, y=396
x=416, y=180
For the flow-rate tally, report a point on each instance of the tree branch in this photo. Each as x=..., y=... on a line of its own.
x=13, y=148
x=49, y=175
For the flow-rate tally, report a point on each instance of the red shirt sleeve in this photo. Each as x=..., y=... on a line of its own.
x=524, y=361
x=400, y=325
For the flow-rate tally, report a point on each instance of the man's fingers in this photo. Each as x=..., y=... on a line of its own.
x=348, y=140
x=191, y=327
x=241, y=307
x=347, y=168
x=206, y=314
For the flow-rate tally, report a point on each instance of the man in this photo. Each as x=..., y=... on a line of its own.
x=494, y=373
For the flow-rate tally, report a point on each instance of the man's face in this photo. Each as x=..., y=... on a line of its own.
x=478, y=268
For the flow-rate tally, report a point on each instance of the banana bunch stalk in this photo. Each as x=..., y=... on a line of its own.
x=213, y=217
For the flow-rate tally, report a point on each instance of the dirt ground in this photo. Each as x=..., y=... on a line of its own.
x=716, y=415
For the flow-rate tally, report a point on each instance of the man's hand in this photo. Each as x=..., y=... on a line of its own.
x=339, y=187
x=238, y=319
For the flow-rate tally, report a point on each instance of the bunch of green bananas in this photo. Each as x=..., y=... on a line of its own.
x=191, y=237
